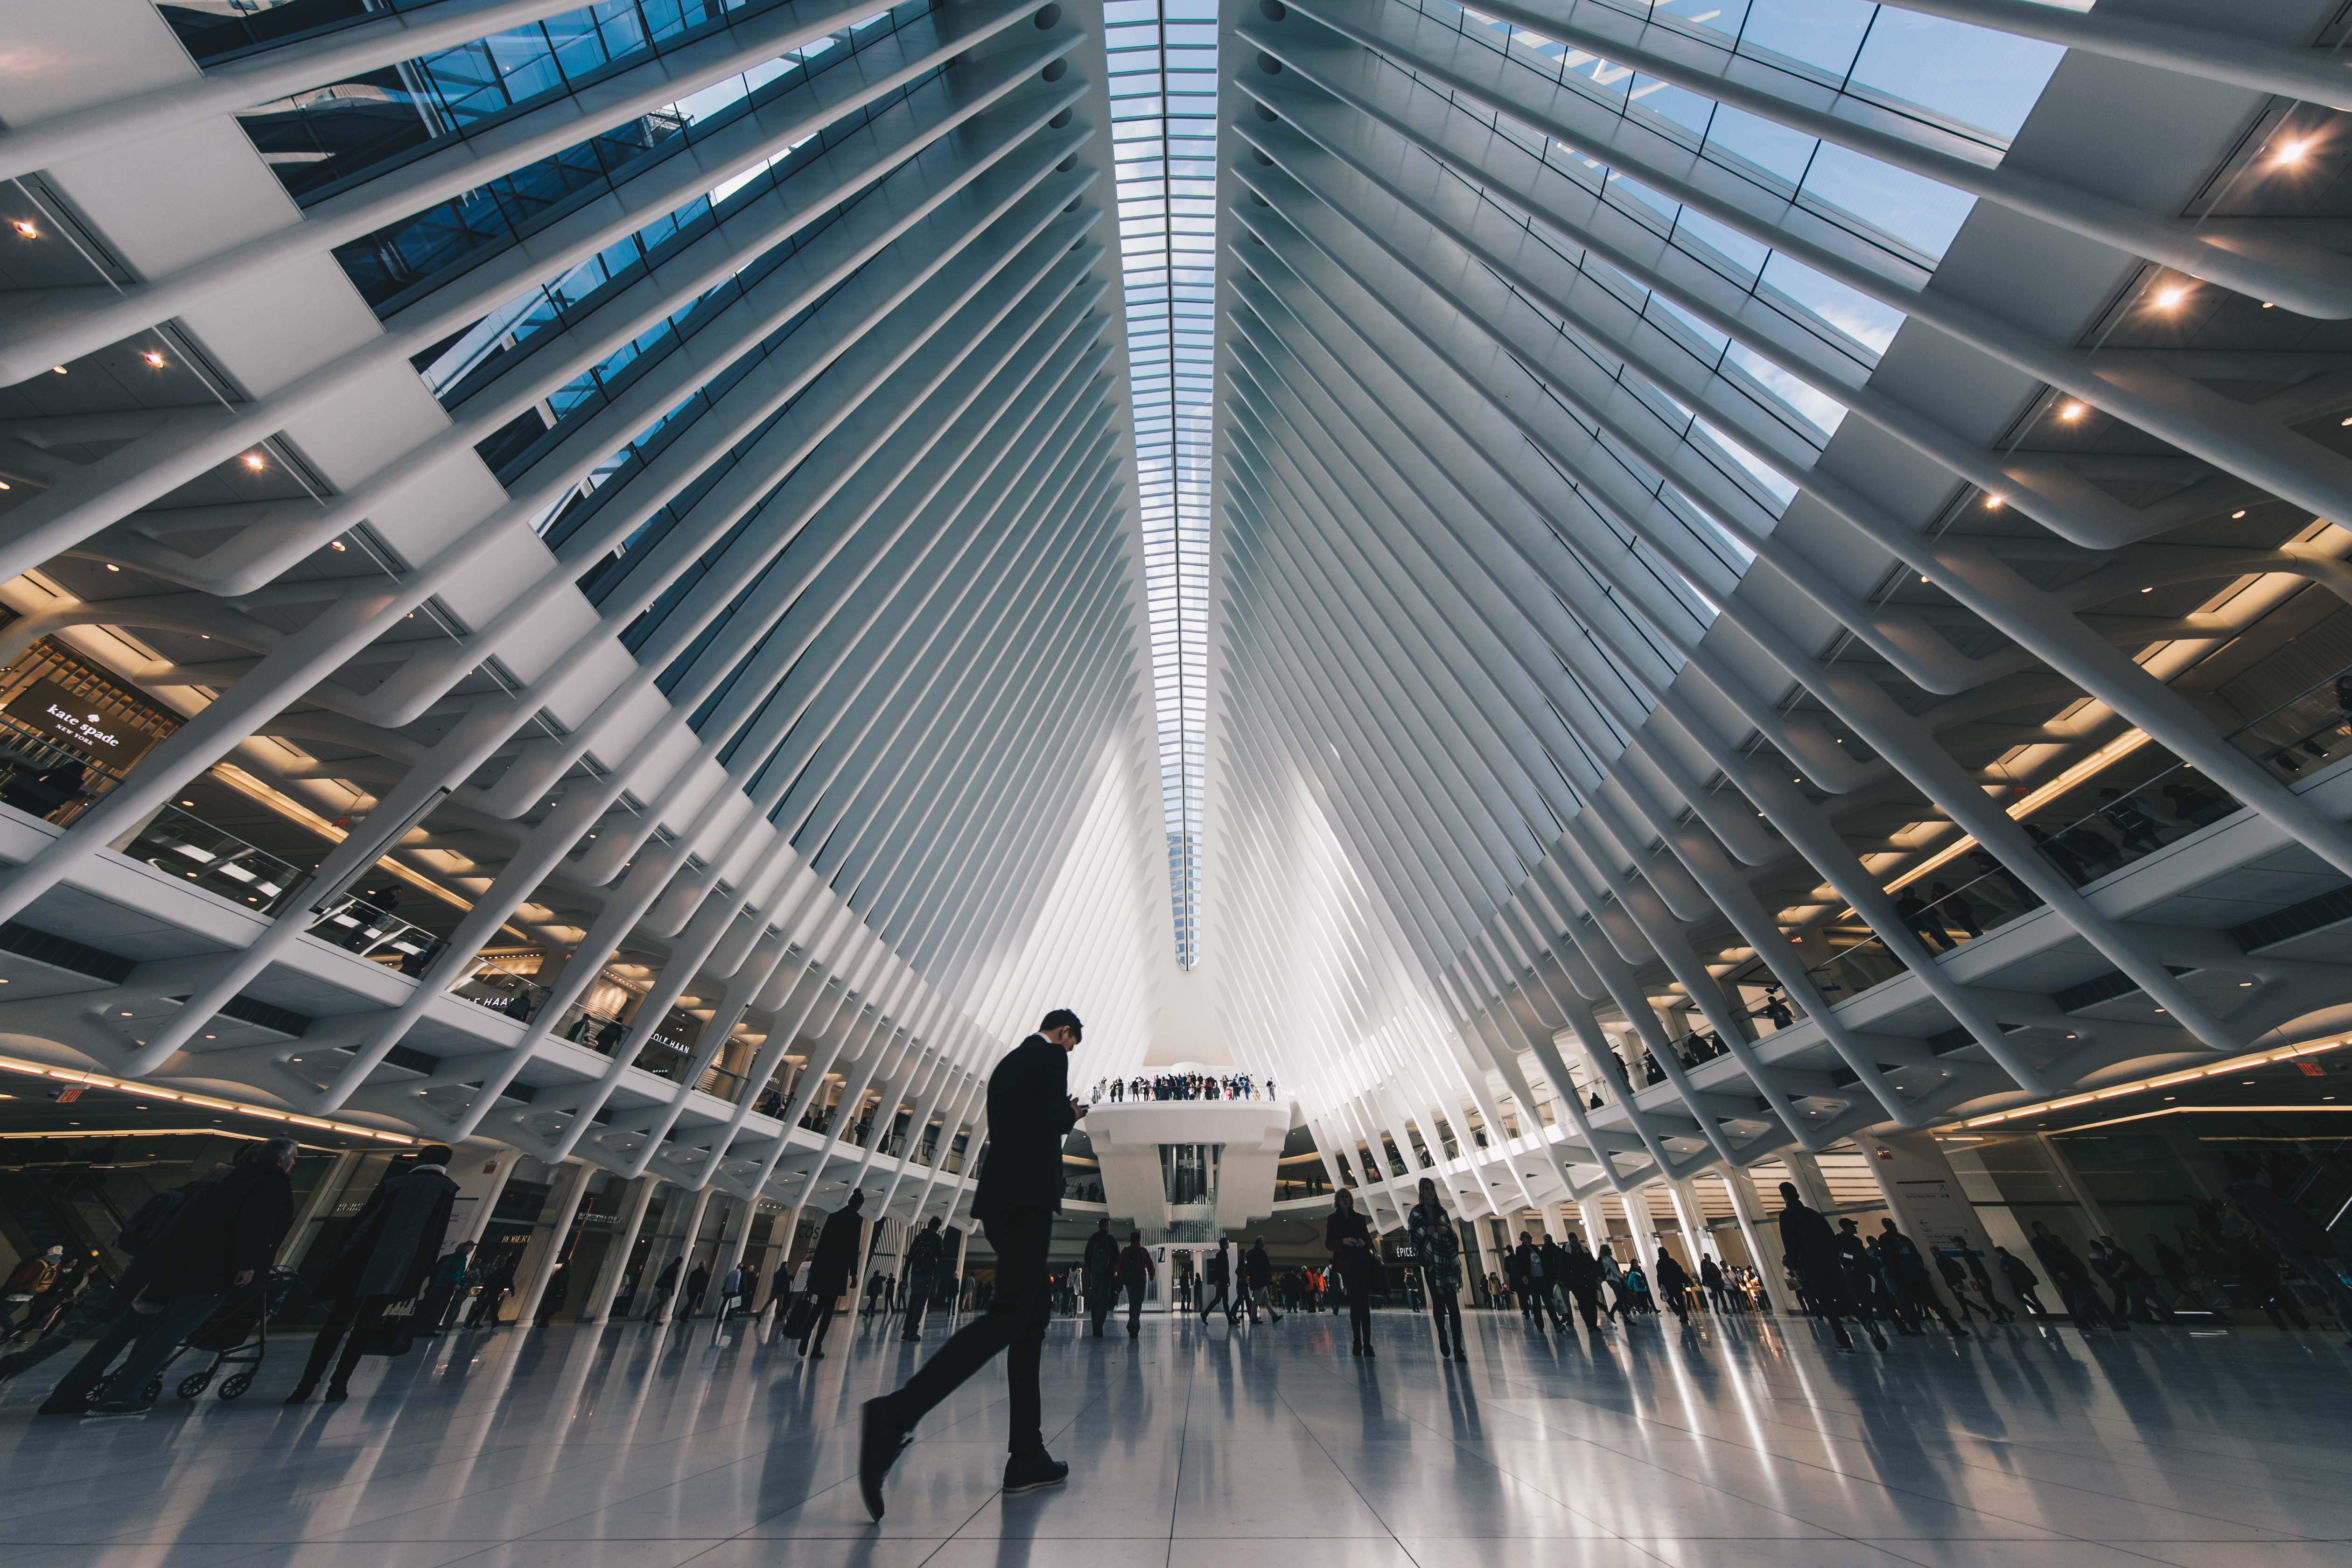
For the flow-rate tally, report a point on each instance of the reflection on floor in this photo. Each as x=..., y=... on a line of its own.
x=1746, y=1443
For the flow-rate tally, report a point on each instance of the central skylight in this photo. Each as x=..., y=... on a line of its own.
x=1164, y=92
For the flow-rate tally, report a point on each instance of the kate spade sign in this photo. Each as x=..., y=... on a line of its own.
x=75, y=721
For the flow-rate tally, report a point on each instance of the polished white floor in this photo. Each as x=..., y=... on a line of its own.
x=1747, y=1442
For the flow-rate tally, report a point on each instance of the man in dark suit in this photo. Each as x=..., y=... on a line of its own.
x=1102, y=1273
x=386, y=1257
x=837, y=1246
x=1812, y=1249
x=1135, y=1271
x=1030, y=1110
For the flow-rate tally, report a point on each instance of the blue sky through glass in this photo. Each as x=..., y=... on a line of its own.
x=1163, y=91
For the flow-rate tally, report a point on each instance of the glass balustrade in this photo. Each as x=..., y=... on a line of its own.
x=189, y=847
x=502, y=990
x=2081, y=846
x=423, y=249
x=2305, y=733
x=373, y=930
x=327, y=137
x=213, y=31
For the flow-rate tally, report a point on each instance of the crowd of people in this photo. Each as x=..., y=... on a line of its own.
x=1182, y=1086
x=1549, y=1278
x=200, y=1251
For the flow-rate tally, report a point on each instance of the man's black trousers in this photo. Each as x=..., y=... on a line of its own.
x=1102, y=1292
x=1015, y=1323
x=919, y=1298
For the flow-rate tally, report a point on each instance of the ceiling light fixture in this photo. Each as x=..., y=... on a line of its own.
x=26, y=228
x=2071, y=411
x=2293, y=153
x=254, y=460
x=151, y=357
x=2169, y=299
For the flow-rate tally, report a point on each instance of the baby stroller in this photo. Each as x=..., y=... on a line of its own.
x=235, y=1335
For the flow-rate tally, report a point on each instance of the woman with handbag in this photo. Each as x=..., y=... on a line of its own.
x=1350, y=1241
x=387, y=1258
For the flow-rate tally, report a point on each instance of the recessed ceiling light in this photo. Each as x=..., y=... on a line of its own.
x=2294, y=150
x=151, y=357
x=2170, y=298
x=2239, y=513
x=2071, y=411
x=1992, y=503
x=111, y=566
x=254, y=460
x=57, y=370
x=28, y=229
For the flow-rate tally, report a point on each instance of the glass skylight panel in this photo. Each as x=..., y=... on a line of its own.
x=1164, y=92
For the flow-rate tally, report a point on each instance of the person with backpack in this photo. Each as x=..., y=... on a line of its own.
x=1914, y=1291
x=103, y=1303
x=664, y=1288
x=442, y=1294
x=1673, y=1284
x=2023, y=1280
x=925, y=1254
x=1257, y=1281
x=2073, y=1280
x=1136, y=1271
x=831, y=1266
x=34, y=1277
x=1439, y=1248
x=1810, y=1249
x=2302, y=1240
x=222, y=1239
x=1581, y=1274
x=1101, y=1268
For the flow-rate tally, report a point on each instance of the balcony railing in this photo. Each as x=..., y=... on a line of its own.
x=2305, y=732
x=2081, y=846
x=373, y=930
x=499, y=990
x=190, y=847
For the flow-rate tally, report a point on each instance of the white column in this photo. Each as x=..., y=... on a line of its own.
x=481, y=1171
x=1762, y=1237
x=615, y=1265
x=548, y=1235
x=1690, y=1215
x=2072, y=1180
x=1930, y=1205
x=1645, y=1228
x=1811, y=1186
x=681, y=1240
x=1596, y=1224
x=732, y=1239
